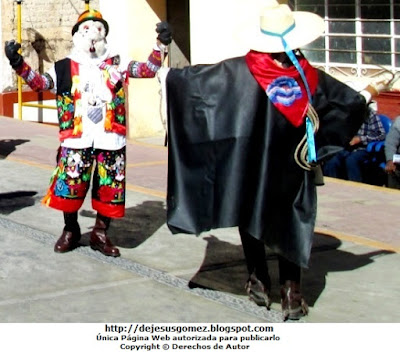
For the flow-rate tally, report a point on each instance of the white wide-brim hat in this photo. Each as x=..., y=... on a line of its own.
x=298, y=29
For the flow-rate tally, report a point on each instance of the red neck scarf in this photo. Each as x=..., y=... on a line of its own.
x=284, y=86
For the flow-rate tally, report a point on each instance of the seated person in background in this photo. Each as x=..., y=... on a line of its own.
x=347, y=164
x=392, y=147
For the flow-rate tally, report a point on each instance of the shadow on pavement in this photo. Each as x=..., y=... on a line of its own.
x=326, y=258
x=7, y=146
x=140, y=223
x=224, y=267
x=13, y=201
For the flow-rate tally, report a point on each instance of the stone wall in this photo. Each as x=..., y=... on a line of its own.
x=46, y=32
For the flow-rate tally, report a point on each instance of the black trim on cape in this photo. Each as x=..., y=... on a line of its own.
x=231, y=155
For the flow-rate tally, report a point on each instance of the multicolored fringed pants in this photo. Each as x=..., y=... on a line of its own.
x=71, y=179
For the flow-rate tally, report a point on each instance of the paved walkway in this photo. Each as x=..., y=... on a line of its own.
x=160, y=277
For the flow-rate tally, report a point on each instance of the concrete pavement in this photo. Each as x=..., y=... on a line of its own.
x=160, y=277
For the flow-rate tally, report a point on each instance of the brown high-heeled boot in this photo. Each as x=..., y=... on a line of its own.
x=99, y=240
x=293, y=304
x=258, y=292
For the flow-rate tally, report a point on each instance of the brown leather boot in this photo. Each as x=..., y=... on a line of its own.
x=67, y=241
x=71, y=234
x=293, y=304
x=99, y=240
x=258, y=292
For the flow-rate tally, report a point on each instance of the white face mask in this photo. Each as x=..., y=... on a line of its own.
x=90, y=39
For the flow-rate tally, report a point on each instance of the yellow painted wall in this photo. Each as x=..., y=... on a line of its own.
x=132, y=30
x=214, y=25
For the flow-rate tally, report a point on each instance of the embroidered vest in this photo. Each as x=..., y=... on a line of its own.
x=69, y=104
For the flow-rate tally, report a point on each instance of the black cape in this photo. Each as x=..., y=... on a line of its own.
x=231, y=155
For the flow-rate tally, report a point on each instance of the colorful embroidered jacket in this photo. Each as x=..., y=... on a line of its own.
x=68, y=94
x=69, y=105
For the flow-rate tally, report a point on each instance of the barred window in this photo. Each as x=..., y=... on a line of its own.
x=359, y=34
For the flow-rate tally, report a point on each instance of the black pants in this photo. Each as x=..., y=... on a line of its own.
x=71, y=221
x=254, y=252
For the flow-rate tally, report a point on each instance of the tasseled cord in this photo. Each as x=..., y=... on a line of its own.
x=301, y=155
